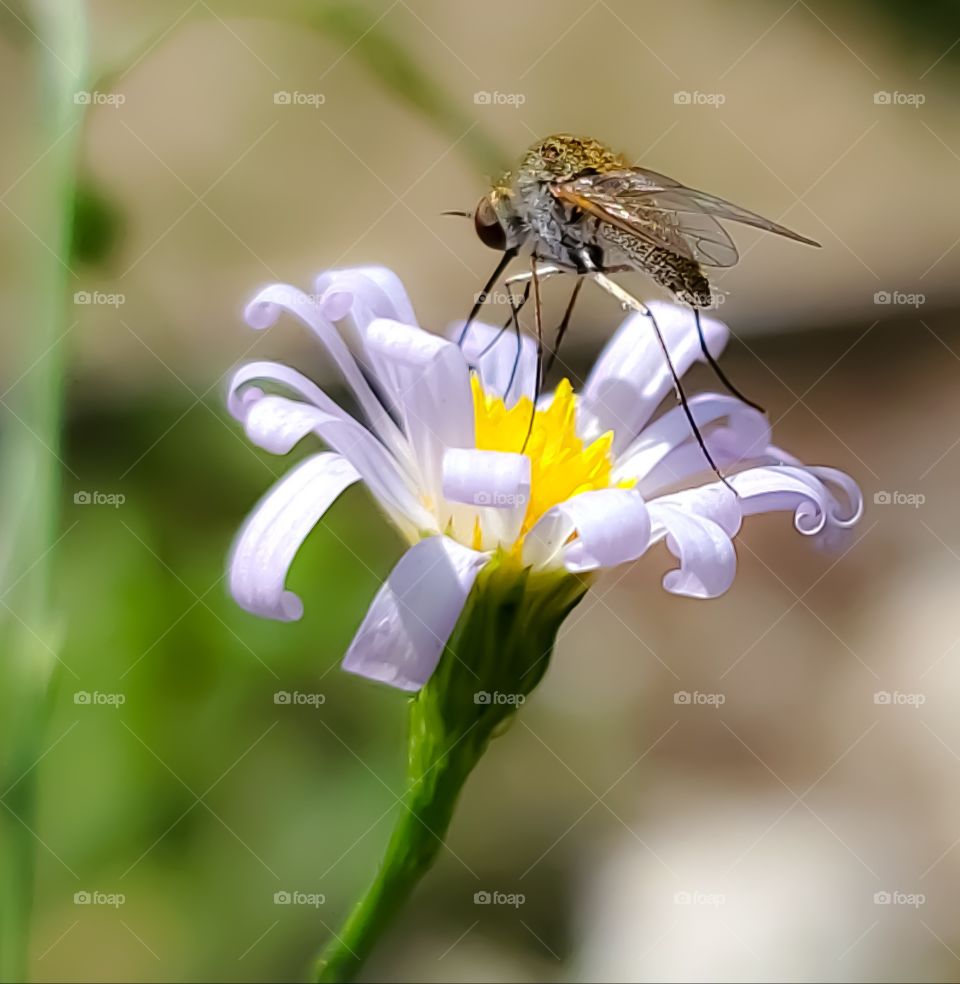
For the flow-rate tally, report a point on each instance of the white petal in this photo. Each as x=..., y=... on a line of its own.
x=241, y=397
x=365, y=293
x=789, y=487
x=278, y=424
x=631, y=376
x=612, y=527
x=495, y=484
x=404, y=632
x=263, y=312
x=708, y=561
x=715, y=502
x=501, y=372
x=844, y=511
x=667, y=451
x=431, y=383
x=272, y=535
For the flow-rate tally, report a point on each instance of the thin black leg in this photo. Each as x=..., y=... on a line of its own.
x=715, y=366
x=682, y=400
x=501, y=266
x=562, y=330
x=538, y=312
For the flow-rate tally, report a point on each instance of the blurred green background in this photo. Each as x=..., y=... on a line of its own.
x=779, y=815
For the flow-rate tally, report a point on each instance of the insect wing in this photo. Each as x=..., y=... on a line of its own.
x=599, y=197
x=665, y=212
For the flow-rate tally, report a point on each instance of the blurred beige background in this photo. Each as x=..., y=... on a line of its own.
x=802, y=828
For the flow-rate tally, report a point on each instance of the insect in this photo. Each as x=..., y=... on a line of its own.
x=583, y=209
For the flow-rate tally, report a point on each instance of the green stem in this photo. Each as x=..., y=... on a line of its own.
x=414, y=844
x=29, y=468
x=495, y=658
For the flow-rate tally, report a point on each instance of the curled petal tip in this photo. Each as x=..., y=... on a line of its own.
x=261, y=314
x=291, y=607
x=336, y=303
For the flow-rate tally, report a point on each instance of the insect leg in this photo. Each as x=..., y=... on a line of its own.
x=515, y=311
x=526, y=279
x=544, y=272
x=501, y=266
x=715, y=366
x=628, y=300
x=512, y=320
x=562, y=330
x=538, y=313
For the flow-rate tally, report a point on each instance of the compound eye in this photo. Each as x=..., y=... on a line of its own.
x=488, y=226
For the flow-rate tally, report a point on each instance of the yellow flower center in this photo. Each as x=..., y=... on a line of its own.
x=560, y=464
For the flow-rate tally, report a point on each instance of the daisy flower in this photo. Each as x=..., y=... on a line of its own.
x=440, y=448
x=507, y=518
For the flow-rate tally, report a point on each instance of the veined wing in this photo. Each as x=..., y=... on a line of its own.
x=666, y=213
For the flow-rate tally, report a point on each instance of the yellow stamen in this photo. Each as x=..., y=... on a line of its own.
x=560, y=464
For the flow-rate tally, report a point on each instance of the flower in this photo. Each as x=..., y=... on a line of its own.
x=444, y=451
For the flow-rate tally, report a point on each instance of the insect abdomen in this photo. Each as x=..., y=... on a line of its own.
x=681, y=276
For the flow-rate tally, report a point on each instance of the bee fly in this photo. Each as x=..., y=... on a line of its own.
x=583, y=209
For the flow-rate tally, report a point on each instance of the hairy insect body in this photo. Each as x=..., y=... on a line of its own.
x=680, y=276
